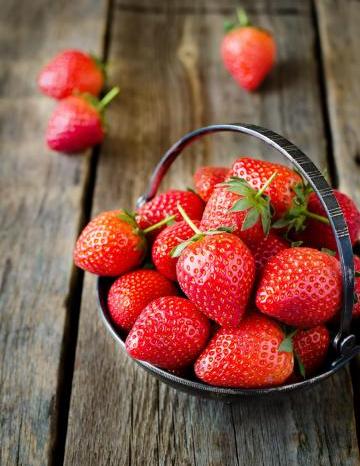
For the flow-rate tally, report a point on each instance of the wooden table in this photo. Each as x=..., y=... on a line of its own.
x=67, y=393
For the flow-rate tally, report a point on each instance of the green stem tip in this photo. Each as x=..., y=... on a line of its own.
x=317, y=217
x=104, y=102
x=242, y=17
x=267, y=184
x=157, y=225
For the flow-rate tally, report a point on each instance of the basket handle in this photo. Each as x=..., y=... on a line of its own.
x=344, y=342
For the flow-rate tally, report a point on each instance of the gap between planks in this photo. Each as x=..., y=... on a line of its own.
x=73, y=300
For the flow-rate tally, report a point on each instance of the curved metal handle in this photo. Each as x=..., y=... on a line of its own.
x=344, y=342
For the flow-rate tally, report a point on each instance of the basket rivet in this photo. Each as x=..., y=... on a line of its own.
x=347, y=344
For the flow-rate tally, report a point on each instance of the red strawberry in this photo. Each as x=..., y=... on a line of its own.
x=264, y=250
x=216, y=272
x=165, y=204
x=218, y=212
x=247, y=356
x=319, y=234
x=258, y=172
x=165, y=242
x=301, y=287
x=311, y=347
x=132, y=292
x=170, y=333
x=71, y=71
x=76, y=123
x=356, y=308
x=206, y=178
x=248, y=53
x=111, y=244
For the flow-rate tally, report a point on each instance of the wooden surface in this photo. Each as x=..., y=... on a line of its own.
x=164, y=55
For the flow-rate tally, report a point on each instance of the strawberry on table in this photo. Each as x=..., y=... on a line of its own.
x=248, y=52
x=77, y=123
x=165, y=204
x=132, y=292
x=165, y=242
x=206, y=178
x=169, y=333
x=111, y=244
x=216, y=271
x=71, y=71
x=247, y=356
x=301, y=287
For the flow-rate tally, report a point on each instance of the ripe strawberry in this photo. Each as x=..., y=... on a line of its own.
x=216, y=272
x=248, y=53
x=132, y=292
x=219, y=212
x=301, y=287
x=318, y=233
x=111, y=244
x=76, y=123
x=206, y=178
x=165, y=242
x=258, y=172
x=356, y=308
x=69, y=72
x=247, y=356
x=311, y=347
x=165, y=204
x=265, y=249
x=170, y=333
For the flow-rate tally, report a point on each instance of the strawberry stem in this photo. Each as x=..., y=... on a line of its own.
x=242, y=17
x=157, y=225
x=104, y=102
x=188, y=220
x=317, y=217
x=266, y=185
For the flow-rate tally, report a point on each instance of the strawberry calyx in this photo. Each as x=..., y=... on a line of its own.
x=255, y=202
x=177, y=250
x=242, y=21
x=287, y=346
x=298, y=214
x=100, y=105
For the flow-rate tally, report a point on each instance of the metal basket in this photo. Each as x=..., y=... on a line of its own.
x=344, y=344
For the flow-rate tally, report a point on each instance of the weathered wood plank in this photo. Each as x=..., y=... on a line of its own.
x=339, y=35
x=41, y=197
x=173, y=81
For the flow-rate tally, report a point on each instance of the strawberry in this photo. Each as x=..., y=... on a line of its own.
x=206, y=178
x=268, y=247
x=76, y=123
x=216, y=271
x=166, y=204
x=111, y=244
x=132, y=292
x=247, y=356
x=69, y=72
x=356, y=308
x=311, y=347
x=219, y=211
x=301, y=287
x=258, y=172
x=248, y=52
x=318, y=232
x=169, y=333
x=165, y=242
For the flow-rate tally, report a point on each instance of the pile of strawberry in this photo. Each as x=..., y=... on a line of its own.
x=76, y=79
x=234, y=283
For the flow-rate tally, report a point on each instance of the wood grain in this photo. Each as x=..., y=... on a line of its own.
x=41, y=201
x=173, y=81
x=339, y=35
